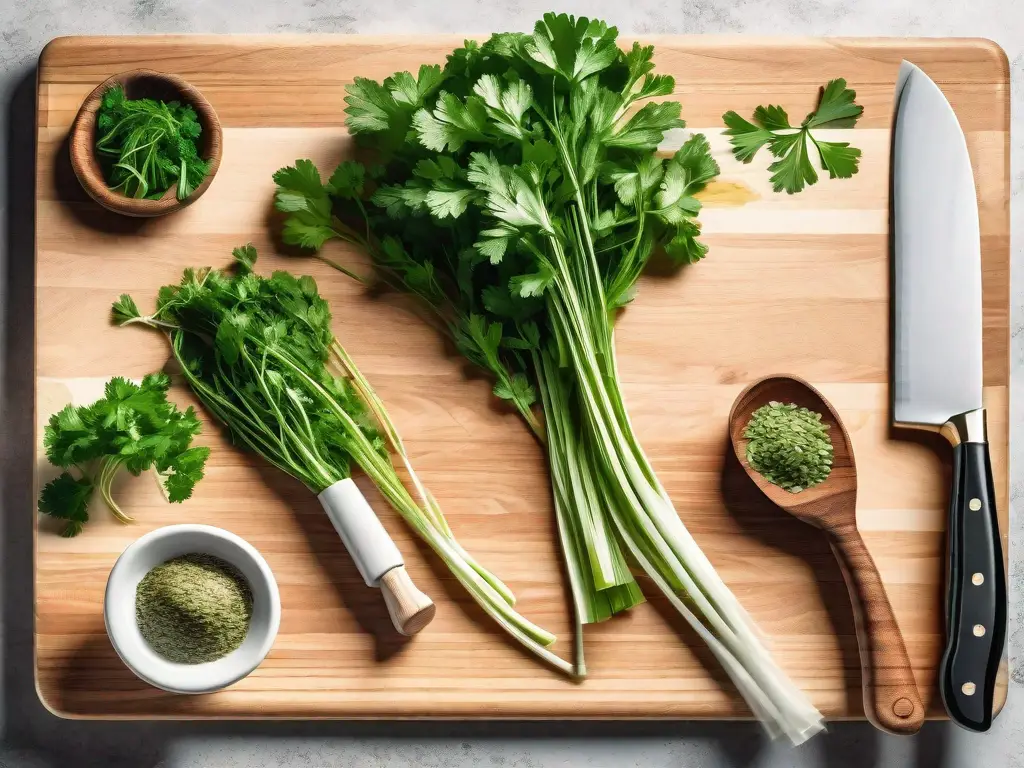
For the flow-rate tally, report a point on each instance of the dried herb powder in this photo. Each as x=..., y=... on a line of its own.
x=789, y=446
x=193, y=609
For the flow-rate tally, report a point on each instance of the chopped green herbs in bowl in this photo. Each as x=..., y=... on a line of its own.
x=147, y=146
x=145, y=143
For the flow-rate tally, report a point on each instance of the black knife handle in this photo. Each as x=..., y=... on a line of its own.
x=976, y=596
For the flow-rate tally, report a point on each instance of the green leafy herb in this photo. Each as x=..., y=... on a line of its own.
x=260, y=354
x=520, y=198
x=148, y=146
x=794, y=168
x=132, y=427
x=789, y=446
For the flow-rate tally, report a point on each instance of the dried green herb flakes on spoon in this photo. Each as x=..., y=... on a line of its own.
x=789, y=446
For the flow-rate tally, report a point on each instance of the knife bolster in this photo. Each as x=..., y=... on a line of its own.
x=969, y=427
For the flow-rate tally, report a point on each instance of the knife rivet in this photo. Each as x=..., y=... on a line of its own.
x=977, y=579
x=968, y=689
x=979, y=630
x=975, y=505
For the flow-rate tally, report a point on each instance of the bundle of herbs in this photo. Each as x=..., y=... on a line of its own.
x=260, y=355
x=517, y=192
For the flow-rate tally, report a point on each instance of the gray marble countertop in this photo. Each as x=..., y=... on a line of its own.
x=32, y=738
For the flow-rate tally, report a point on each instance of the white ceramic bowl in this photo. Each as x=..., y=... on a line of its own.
x=160, y=546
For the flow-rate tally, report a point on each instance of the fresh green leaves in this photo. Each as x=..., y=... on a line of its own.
x=132, y=426
x=794, y=169
x=506, y=105
x=521, y=198
x=185, y=471
x=385, y=110
x=519, y=156
x=569, y=48
x=746, y=137
x=302, y=194
x=836, y=107
x=245, y=258
x=520, y=201
x=255, y=350
x=452, y=123
x=148, y=146
x=647, y=127
x=125, y=310
x=67, y=498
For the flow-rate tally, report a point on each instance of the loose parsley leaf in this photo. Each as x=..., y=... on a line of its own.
x=836, y=107
x=793, y=170
x=125, y=310
x=838, y=158
x=301, y=193
x=245, y=257
x=347, y=181
x=772, y=118
x=518, y=388
x=746, y=137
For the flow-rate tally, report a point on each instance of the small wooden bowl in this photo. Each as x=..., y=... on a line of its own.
x=139, y=84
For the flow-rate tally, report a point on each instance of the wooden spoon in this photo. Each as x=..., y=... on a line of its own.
x=891, y=699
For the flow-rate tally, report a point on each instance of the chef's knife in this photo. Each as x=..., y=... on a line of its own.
x=937, y=375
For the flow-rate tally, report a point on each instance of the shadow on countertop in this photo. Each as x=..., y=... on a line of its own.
x=47, y=741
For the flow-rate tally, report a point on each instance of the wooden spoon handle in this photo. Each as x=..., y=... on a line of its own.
x=891, y=698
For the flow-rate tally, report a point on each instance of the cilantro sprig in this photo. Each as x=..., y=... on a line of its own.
x=132, y=427
x=792, y=145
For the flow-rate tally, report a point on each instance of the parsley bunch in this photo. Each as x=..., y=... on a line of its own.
x=132, y=427
x=148, y=146
x=260, y=355
x=792, y=145
x=518, y=193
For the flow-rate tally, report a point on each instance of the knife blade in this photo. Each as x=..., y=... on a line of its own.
x=937, y=375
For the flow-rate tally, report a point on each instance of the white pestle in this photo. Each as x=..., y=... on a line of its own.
x=376, y=556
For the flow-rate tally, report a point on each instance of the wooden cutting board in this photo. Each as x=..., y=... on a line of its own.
x=792, y=284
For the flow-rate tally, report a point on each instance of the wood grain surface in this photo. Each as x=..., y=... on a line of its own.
x=791, y=285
